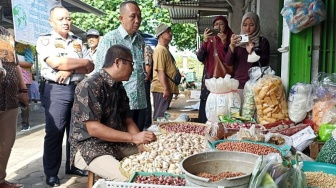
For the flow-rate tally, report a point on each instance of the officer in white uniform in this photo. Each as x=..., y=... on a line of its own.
x=64, y=62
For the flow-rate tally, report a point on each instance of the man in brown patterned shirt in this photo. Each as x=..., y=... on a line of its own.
x=12, y=90
x=104, y=131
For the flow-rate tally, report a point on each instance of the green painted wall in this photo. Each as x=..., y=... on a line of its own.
x=300, y=56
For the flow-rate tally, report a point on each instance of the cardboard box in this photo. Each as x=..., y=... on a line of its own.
x=315, y=148
x=303, y=138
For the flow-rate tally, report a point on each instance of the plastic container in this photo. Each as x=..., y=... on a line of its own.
x=102, y=183
x=311, y=166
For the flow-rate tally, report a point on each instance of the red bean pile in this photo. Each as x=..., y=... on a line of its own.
x=161, y=180
x=257, y=149
x=185, y=128
x=222, y=175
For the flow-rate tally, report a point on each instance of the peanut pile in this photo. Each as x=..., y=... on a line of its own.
x=220, y=176
x=320, y=179
x=257, y=149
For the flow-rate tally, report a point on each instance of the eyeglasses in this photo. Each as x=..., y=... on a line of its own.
x=132, y=63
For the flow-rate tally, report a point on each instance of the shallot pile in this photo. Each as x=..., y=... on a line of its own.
x=184, y=127
x=161, y=180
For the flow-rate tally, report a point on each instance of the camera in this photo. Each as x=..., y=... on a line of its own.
x=244, y=38
x=214, y=32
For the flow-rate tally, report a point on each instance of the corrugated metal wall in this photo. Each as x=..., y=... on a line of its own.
x=327, y=61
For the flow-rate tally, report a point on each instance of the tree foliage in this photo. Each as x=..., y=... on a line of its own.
x=184, y=34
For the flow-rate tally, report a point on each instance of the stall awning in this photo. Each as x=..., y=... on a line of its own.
x=199, y=12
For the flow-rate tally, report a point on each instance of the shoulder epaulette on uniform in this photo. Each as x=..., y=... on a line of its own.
x=45, y=34
x=76, y=37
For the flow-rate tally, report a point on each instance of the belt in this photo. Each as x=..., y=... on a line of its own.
x=71, y=83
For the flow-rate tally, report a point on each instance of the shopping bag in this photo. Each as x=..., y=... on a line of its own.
x=221, y=69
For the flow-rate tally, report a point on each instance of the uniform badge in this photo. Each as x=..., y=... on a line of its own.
x=45, y=41
x=77, y=46
x=59, y=44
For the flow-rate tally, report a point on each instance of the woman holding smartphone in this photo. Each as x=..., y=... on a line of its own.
x=239, y=52
x=220, y=34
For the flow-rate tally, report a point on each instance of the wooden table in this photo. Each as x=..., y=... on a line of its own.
x=177, y=107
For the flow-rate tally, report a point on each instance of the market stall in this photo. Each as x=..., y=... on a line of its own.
x=255, y=141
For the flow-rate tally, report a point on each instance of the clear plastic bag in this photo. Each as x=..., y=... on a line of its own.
x=270, y=100
x=260, y=175
x=271, y=173
x=324, y=97
x=303, y=13
x=248, y=108
x=299, y=101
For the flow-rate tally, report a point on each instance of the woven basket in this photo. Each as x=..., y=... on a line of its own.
x=123, y=171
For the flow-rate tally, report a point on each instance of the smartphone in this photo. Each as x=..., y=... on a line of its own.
x=214, y=32
x=244, y=38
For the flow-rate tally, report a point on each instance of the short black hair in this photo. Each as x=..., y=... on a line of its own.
x=123, y=4
x=55, y=7
x=116, y=51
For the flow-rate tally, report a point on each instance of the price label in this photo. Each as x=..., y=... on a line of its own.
x=221, y=101
x=236, y=103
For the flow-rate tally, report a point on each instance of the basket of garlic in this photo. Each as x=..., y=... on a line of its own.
x=183, y=127
x=164, y=155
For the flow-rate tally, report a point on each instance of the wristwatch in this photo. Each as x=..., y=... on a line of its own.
x=3, y=70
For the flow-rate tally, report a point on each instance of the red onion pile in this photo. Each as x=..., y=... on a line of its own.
x=161, y=180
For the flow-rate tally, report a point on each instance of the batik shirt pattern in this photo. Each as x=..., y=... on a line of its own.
x=8, y=84
x=98, y=98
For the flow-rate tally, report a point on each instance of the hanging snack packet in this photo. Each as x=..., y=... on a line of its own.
x=270, y=99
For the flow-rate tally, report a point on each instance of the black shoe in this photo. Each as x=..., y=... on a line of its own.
x=76, y=171
x=25, y=128
x=53, y=181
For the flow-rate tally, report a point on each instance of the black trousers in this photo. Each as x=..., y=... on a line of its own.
x=57, y=101
x=139, y=118
x=148, y=111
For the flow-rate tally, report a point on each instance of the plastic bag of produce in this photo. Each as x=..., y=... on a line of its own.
x=325, y=131
x=214, y=131
x=299, y=101
x=324, y=96
x=327, y=153
x=330, y=116
x=223, y=96
x=260, y=175
x=270, y=100
x=272, y=174
x=251, y=134
x=255, y=73
x=300, y=14
x=278, y=139
x=293, y=178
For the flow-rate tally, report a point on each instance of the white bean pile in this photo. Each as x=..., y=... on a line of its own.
x=320, y=179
